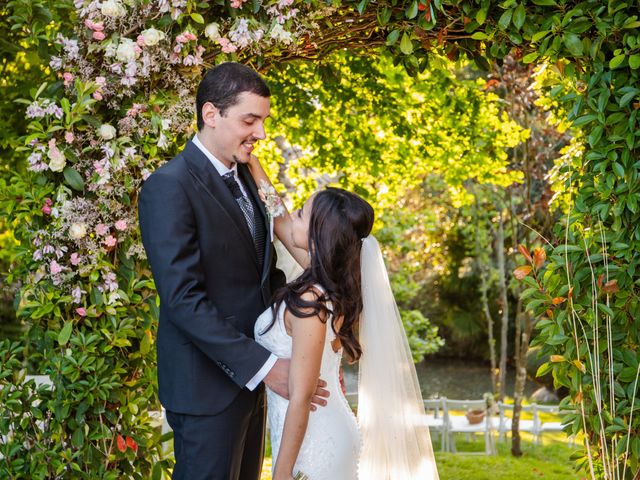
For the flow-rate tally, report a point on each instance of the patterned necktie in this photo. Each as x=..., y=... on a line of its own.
x=243, y=202
x=250, y=215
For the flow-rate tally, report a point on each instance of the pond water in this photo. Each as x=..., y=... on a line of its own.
x=451, y=378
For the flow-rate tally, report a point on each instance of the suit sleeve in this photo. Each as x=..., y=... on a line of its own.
x=169, y=234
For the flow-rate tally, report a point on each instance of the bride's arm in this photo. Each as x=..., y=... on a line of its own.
x=308, y=336
x=282, y=223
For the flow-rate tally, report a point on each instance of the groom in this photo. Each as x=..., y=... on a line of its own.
x=205, y=232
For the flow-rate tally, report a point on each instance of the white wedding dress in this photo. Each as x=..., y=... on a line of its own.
x=331, y=445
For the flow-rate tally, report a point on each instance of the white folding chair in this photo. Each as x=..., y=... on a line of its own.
x=460, y=424
x=435, y=409
x=553, y=426
x=506, y=420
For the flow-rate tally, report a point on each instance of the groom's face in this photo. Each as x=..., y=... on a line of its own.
x=234, y=134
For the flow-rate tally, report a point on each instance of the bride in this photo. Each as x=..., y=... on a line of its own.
x=341, y=304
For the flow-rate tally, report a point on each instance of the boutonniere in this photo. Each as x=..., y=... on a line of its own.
x=272, y=202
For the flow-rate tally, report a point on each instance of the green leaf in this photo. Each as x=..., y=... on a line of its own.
x=406, y=45
x=616, y=61
x=573, y=43
x=412, y=10
x=606, y=309
x=566, y=249
x=519, y=16
x=77, y=439
x=74, y=179
x=505, y=20
x=393, y=37
x=65, y=334
x=618, y=170
x=580, y=121
x=595, y=135
x=530, y=57
x=196, y=17
x=626, y=98
x=544, y=3
x=544, y=369
x=634, y=61
x=40, y=90
x=156, y=473
x=539, y=35
x=479, y=36
x=481, y=16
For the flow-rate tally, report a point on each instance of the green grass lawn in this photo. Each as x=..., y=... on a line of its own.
x=549, y=461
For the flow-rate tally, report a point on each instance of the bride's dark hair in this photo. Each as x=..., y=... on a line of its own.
x=339, y=221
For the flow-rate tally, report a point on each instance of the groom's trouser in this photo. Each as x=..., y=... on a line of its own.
x=226, y=446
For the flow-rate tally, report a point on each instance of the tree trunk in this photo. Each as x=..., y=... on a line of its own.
x=483, y=258
x=492, y=341
x=504, y=304
x=521, y=345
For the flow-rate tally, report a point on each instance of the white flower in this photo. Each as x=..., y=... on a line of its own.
x=77, y=231
x=107, y=131
x=163, y=141
x=110, y=50
x=58, y=163
x=151, y=36
x=212, y=31
x=126, y=50
x=58, y=160
x=112, y=8
x=279, y=34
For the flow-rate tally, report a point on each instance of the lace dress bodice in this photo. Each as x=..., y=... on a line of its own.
x=332, y=441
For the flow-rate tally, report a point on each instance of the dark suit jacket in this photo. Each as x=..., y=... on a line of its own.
x=211, y=287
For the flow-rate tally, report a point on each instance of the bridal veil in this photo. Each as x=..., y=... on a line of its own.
x=396, y=444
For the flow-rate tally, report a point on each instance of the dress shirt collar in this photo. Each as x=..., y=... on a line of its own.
x=220, y=167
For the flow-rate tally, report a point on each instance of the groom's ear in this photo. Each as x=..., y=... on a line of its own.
x=209, y=114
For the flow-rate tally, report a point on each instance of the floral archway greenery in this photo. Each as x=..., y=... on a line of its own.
x=113, y=99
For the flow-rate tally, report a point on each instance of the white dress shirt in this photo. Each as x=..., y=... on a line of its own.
x=223, y=169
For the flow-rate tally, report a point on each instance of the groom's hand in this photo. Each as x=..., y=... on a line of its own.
x=278, y=380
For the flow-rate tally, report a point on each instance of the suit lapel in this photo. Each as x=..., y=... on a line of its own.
x=206, y=175
x=250, y=185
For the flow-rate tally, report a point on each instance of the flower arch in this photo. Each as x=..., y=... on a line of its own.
x=119, y=102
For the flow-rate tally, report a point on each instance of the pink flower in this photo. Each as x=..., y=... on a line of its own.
x=96, y=27
x=81, y=311
x=121, y=225
x=54, y=267
x=140, y=41
x=227, y=46
x=97, y=95
x=101, y=81
x=102, y=229
x=75, y=259
x=110, y=241
x=185, y=37
x=46, y=210
x=68, y=137
x=99, y=36
x=68, y=78
x=236, y=3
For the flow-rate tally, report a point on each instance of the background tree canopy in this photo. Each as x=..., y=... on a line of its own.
x=97, y=95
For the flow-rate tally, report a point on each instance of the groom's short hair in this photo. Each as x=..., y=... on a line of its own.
x=222, y=84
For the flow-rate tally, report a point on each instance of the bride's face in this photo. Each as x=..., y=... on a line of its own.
x=300, y=225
